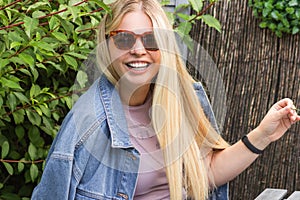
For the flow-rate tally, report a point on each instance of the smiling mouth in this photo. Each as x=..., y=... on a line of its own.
x=138, y=65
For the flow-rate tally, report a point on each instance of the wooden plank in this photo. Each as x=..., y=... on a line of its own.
x=272, y=194
x=294, y=196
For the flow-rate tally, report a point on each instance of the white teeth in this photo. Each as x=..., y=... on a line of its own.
x=138, y=65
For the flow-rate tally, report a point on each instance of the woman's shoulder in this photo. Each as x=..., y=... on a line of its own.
x=198, y=85
x=86, y=114
x=200, y=91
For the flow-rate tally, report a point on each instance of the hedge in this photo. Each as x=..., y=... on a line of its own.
x=42, y=45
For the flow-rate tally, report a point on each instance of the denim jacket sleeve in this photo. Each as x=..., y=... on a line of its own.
x=220, y=193
x=56, y=180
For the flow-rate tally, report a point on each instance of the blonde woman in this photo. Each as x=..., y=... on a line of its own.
x=145, y=129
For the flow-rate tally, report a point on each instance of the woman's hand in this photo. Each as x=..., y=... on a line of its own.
x=278, y=120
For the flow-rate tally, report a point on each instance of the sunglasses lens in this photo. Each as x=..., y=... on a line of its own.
x=124, y=41
x=150, y=42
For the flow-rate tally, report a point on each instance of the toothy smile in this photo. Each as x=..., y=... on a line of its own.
x=137, y=65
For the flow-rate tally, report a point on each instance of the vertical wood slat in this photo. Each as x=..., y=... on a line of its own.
x=257, y=69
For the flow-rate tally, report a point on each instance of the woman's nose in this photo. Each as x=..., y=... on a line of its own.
x=138, y=47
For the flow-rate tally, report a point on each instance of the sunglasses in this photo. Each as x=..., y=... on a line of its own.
x=125, y=40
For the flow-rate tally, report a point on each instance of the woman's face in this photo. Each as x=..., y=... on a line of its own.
x=136, y=66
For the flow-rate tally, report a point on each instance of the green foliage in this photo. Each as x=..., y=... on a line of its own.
x=42, y=45
x=280, y=16
x=183, y=21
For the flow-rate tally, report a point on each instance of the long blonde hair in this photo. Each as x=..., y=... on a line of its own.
x=182, y=129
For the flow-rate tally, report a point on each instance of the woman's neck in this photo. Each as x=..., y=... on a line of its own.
x=134, y=96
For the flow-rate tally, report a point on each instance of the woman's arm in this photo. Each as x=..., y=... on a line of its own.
x=230, y=162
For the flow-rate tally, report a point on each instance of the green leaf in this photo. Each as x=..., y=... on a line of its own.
x=33, y=134
x=71, y=61
x=10, y=84
x=110, y=1
x=211, y=22
x=12, y=101
x=32, y=150
x=293, y=3
x=10, y=196
x=15, y=44
x=42, y=66
x=21, y=97
x=183, y=16
x=53, y=22
x=56, y=66
x=5, y=20
x=45, y=109
x=25, y=71
x=14, y=36
x=42, y=45
x=295, y=30
x=3, y=63
x=35, y=73
x=104, y=4
x=269, y=5
x=272, y=26
x=34, y=118
x=47, y=122
x=37, y=5
x=74, y=12
x=68, y=101
x=279, y=5
x=82, y=78
x=263, y=25
x=278, y=33
x=30, y=25
x=27, y=59
x=37, y=14
x=297, y=14
x=1, y=101
x=184, y=29
x=68, y=26
x=5, y=149
x=38, y=110
x=266, y=12
x=19, y=116
x=197, y=5
x=56, y=116
x=34, y=172
x=61, y=37
x=73, y=2
x=275, y=15
x=20, y=167
x=9, y=168
x=76, y=55
x=35, y=90
x=290, y=10
x=20, y=132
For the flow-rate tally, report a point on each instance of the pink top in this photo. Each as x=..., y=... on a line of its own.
x=152, y=181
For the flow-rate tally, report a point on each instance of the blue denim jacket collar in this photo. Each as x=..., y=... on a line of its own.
x=115, y=116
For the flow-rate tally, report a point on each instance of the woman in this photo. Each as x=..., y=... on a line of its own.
x=144, y=129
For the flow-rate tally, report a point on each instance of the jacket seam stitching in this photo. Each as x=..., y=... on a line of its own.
x=89, y=132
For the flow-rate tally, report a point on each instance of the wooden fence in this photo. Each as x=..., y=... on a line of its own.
x=257, y=69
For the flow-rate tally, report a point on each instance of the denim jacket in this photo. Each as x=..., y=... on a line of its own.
x=92, y=156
